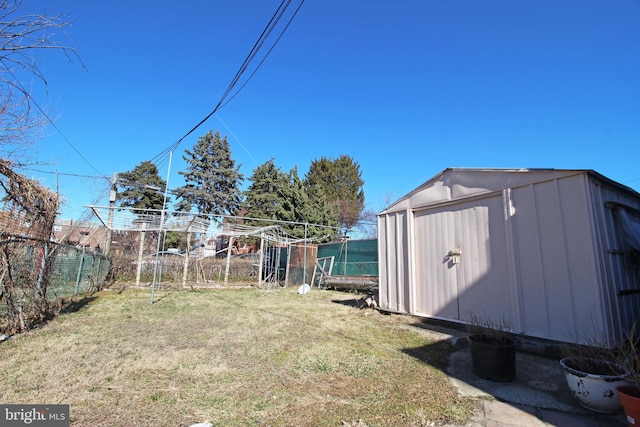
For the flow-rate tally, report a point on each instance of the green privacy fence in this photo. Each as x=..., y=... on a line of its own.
x=352, y=257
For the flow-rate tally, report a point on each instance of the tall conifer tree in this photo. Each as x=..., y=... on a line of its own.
x=342, y=185
x=277, y=195
x=212, y=178
x=264, y=197
x=142, y=188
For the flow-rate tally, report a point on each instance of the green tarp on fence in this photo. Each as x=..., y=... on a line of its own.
x=352, y=258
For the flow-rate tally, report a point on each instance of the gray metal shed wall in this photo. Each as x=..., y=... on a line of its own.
x=393, y=270
x=475, y=285
x=556, y=265
x=542, y=255
x=620, y=280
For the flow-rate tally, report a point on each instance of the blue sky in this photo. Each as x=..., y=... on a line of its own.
x=406, y=88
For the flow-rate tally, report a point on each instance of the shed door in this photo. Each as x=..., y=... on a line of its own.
x=476, y=283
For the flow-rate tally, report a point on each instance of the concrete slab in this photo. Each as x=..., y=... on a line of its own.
x=502, y=414
x=539, y=397
x=539, y=382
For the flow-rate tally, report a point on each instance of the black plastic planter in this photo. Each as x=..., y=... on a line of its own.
x=493, y=358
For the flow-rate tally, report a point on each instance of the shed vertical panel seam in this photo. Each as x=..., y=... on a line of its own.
x=391, y=266
x=411, y=257
x=536, y=218
x=397, y=272
x=572, y=285
x=452, y=287
x=566, y=268
x=512, y=265
x=459, y=222
x=434, y=273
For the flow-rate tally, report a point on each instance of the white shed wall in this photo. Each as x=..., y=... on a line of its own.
x=556, y=260
x=539, y=253
x=393, y=270
x=474, y=284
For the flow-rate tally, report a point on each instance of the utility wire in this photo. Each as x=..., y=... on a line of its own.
x=66, y=174
x=237, y=139
x=265, y=57
x=162, y=158
x=250, y=77
x=239, y=73
x=46, y=116
x=252, y=54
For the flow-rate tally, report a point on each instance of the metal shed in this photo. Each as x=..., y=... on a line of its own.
x=555, y=254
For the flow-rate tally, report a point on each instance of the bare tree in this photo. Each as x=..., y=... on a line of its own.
x=21, y=36
x=29, y=209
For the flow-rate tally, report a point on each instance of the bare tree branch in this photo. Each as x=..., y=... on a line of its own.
x=21, y=36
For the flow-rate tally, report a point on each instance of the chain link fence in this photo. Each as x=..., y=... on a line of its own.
x=31, y=269
x=77, y=271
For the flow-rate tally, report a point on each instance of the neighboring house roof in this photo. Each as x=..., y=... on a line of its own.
x=83, y=233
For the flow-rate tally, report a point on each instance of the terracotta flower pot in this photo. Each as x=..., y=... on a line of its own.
x=630, y=399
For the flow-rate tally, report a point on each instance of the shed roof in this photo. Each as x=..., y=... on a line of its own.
x=459, y=183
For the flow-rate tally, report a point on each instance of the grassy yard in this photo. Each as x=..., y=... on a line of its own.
x=237, y=357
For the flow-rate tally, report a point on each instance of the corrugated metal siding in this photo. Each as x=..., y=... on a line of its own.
x=403, y=269
x=557, y=278
x=544, y=255
x=618, y=275
x=485, y=288
x=436, y=293
x=394, y=277
x=477, y=286
x=384, y=251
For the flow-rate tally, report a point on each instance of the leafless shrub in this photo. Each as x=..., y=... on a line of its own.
x=30, y=211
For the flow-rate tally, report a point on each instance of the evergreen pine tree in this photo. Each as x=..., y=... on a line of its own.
x=341, y=183
x=274, y=194
x=264, y=197
x=142, y=188
x=212, y=178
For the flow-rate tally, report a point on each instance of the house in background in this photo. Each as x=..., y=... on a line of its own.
x=549, y=252
x=14, y=224
x=79, y=233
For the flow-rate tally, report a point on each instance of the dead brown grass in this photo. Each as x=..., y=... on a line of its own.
x=234, y=357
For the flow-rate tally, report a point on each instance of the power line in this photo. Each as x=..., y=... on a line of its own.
x=252, y=54
x=85, y=213
x=237, y=139
x=65, y=174
x=162, y=158
x=632, y=180
x=265, y=57
x=46, y=116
